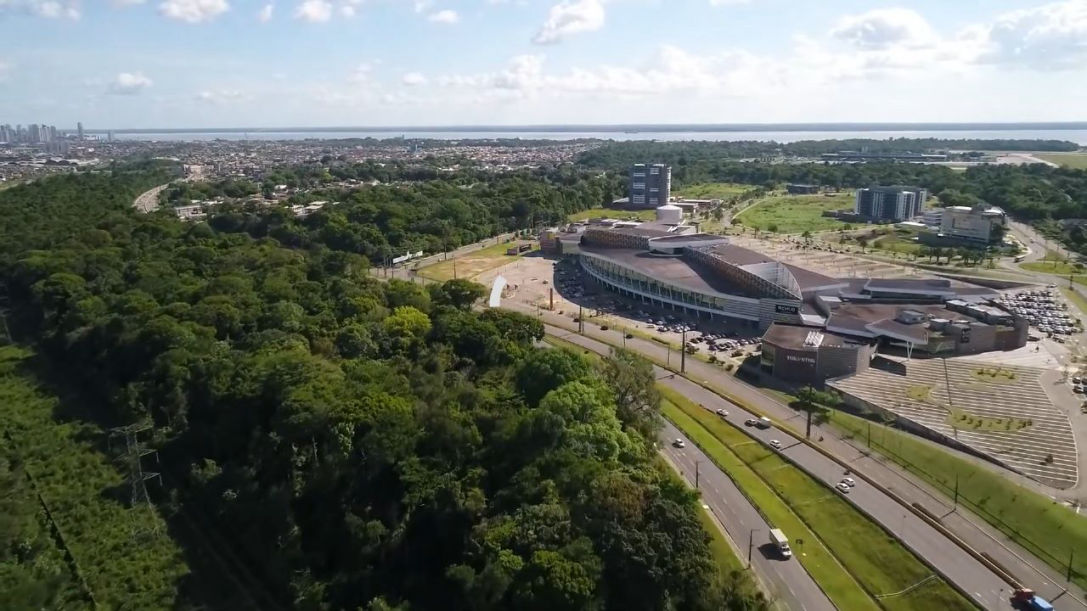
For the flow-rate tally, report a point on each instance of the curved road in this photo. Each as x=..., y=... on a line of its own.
x=983, y=586
x=149, y=200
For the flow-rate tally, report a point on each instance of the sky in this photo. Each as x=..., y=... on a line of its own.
x=318, y=63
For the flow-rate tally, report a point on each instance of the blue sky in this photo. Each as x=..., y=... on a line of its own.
x=267, y=63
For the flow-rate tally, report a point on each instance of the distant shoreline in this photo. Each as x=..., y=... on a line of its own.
x=629, y=128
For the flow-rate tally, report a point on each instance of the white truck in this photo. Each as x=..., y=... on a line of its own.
x=781, y=542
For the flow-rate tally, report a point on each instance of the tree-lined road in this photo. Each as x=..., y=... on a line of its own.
x=982, y=585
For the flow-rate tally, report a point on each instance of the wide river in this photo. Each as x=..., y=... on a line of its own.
x=1078, y=136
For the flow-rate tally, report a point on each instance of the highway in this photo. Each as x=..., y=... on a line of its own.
x=149, y=200
x=787, y=581
x=983, y=586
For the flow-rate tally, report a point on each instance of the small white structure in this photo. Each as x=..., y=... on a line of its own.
x=496, y=292
x=669, y=214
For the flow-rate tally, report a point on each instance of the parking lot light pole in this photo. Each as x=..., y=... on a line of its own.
x=697, y=463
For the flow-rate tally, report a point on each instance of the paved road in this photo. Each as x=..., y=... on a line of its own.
x=149, y=200
x=985, y=587
x=967, y=526
x=787, y=581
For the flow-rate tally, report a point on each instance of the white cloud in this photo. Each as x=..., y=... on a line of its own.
x=314, y=11
x=727, y=2
x=421, y=6
x=49, y=9
x=265, y=14
x=126, y=2
x=884, y=28
x=1053, y=36
x=221, y=96
x=670, y=71
x=128, y=83
x=193, y=11
x=570, y=17
x=444, y=16
x=414, y=79
x=361, y=73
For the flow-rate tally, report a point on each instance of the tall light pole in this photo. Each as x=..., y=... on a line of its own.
x=697, y=463
x=750, y=545
x=683, y=353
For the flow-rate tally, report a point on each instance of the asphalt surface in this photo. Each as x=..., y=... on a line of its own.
x=982, y=585
x=787, y=581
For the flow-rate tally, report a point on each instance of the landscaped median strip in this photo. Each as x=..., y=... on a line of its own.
x=840, y=587
x=878, y=563
x=1077, y=575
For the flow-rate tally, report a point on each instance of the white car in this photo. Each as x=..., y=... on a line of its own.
x=842, y=487
x=722, y=413
x=679, y=443
x=848, y=481
x=774, y=443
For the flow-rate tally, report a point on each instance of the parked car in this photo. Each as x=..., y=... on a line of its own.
x=848, y=481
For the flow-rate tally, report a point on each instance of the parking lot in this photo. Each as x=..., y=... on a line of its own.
x=1044, y=309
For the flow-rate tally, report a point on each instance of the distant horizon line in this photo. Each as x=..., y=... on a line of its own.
x=626, y=128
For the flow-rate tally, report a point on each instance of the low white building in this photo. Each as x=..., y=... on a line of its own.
x=976, y=224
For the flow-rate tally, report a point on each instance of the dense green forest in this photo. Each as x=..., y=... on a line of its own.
x=342, y=443
x=384, y=221
x=620, y=155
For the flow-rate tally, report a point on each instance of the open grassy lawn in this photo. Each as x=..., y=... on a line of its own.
x=895, y=242
x=712, y=190
x=1076, y=161
x=795, y=213
x=614, y=213
x=1047, y=528
x=875, y=558
x=1076, y=299
x=472, y=264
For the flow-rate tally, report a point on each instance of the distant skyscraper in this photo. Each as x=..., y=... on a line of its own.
x=79, y=131
x=33, y=133
x=109, y=136
x=650, y=185
x=6, y=134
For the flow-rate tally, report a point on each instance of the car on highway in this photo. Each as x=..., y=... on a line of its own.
x=722, y=413
x=679, y=443
x=751, y=422
x=774, y=443
x=848, y=481
x=842, y=487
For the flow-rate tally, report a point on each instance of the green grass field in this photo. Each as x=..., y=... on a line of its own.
x=1076, y=161
x=1078, y=300
x=712, y=190
x=842, y=589
x=472, y=264
x=613, y=213
x=878, y=561
x=896, y=243
x=1048, y=529
x=795, y=213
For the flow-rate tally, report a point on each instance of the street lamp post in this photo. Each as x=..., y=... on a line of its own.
x=697, y=463
x=750, y=545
